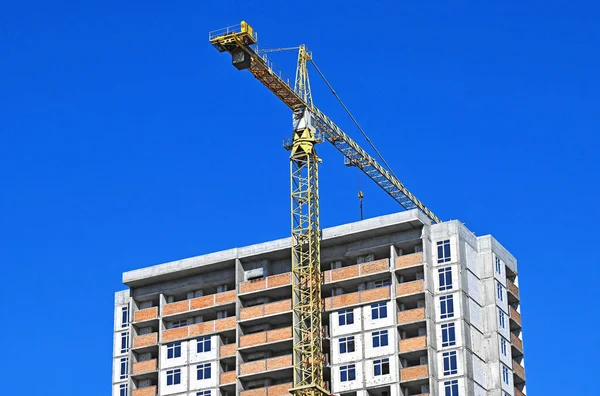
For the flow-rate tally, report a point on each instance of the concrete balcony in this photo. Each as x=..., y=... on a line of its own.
x=145, y=340
x=412, y=344
x=148, y=391
x=409, y=260
x=519, y=372
x=269, y=282
x=263, y=366
x=196, y=304
x=519, y=393
x=513, y=289
x=516, y=342
x=409, y=288
x=357, y=271
x=357, y=298
x=213, y=326
x=514, y=316
x=144, y=367
x=414, y=373
x=265, y=337
x=226, y=351
x=274, y=390
x=227, y=377
x=411, y=316
x=145, y=314
x=259, y=311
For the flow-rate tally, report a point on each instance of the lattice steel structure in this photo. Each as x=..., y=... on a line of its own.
x=310, y=126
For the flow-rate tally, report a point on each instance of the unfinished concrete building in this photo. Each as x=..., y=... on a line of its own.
x=411, y=308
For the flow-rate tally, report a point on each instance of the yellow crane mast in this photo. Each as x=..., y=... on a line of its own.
x=310, y=127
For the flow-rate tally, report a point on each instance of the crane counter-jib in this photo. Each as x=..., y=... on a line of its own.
x=238, y=44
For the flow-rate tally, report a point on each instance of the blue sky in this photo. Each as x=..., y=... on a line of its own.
x=127, y=141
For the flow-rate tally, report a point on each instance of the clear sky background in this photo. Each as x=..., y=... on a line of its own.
x=128, y=141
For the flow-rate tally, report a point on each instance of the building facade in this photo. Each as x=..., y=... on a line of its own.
x=410, y=308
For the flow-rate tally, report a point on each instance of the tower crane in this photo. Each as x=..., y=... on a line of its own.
x=310, y=127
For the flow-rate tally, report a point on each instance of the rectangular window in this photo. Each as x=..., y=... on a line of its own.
x=379, y=311
x=448, y=335
x=125, y=316
x=450, y=365
x=445, y=275
x=178, y=323
x=446, y=307
x=443, y=248
x=347, y=344
x=503, y=346
x=505, y=376
x=381, y=283
x=498, y=266
x=451, y=388
x=347, y=373
x=173, y=377
x=203, y=393
x=123, y=389
x=203, y=344
x=203, y=371
x=499, y=291
x=346, y=317
x=174, y=350
x=381, y=367
x=124, y=367
x=380, y=338
x=501, y=320
x=125, y=342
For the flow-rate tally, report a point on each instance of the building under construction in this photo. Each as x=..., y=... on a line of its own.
x=403, y=304
x=410, y=308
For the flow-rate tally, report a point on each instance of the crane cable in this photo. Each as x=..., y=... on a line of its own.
x=353, y=119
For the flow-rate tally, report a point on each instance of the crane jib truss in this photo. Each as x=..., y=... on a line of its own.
x=236, y=39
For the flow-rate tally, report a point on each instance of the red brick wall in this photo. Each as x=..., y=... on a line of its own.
x=411, y=315
x=277, y=307
x=279, y=280
x=228, y=377
x=407, y=288
x=202, y=302
x=202, y=328
x=416, y=372
x=375, y=266
x=173, y=308
x=255, y=392
x=413, y=344
x=145, y=314
x=225, y=324
x=174, y=334
x=253, y=339
x=225, y=297
x=145, y=340
x=253, y=285
x=227, y=350
x=252, y=312
x=253, y=367
x=518, y=369
x=409, y=260
x=516, y=341
x=375, y=294
x=279, y=362
x=514, y=315
x=279, y=334
x=149, y=391
x=279, y=390
x=142, y=367
x=344, y=273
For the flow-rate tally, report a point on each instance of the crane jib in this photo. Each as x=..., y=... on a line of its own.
x=276, y=82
